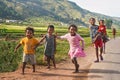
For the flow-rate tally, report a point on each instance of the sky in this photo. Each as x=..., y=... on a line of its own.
x=106, y=7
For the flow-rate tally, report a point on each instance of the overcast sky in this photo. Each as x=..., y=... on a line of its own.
x=107, y=7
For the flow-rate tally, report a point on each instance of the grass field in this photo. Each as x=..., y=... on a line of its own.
x=9, y=61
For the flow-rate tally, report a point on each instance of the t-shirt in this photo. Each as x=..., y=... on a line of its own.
x=74, y=41
x=93, y=31
x=102, y=29
x=28, y=45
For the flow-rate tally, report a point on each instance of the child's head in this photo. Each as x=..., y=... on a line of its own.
x=29, y=32
x=92, y=21
x=101, y=22
x=50, y=29
x=72, y=29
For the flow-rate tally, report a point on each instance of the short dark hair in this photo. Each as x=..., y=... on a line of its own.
x=50, y=26
x=73, y=25
x=92, y=18
x=30, y=28
x=101, y=20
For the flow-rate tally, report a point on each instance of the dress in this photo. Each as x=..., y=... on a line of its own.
x=49, y=45
x=75, y=48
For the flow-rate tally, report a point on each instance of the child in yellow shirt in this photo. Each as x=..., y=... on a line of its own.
x=29, y=43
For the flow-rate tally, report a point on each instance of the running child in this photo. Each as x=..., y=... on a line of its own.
x=74, y=40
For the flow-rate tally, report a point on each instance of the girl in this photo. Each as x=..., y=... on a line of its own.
x=102, y=30
x=74, y=41
x=50, y=46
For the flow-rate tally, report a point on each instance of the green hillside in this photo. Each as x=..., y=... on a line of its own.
x=50, y=10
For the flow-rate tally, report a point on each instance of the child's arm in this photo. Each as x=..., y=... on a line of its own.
x=82, y=44
x=61, y=37
x=15, y=50
x=56, y=35
x=96, y=36
x=55, y=44
x=39, y=42
x=42, y=39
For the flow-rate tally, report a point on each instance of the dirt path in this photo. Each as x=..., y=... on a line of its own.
x=63, y=72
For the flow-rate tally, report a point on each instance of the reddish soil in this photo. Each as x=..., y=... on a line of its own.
x=64, y=70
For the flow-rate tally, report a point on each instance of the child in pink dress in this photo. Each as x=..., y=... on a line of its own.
x=74, y=41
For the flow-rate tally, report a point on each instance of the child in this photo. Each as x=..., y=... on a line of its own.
x=29, y=42
x=74, y=41
x=96, y=38
x=50, y=46
x=102, y=30
x=113, y=32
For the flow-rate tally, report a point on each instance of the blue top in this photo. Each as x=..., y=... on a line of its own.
x=93, y=31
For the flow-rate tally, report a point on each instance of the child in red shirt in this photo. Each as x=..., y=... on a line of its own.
x=102, y=30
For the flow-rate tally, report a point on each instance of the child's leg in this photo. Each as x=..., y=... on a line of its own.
x=33, y=67
x=25, y=59
x=32, y=58
x=23, y=68
x=104, y=47
x=97, y=54
x=48, y=61
x=101, y=51
x=53, y=59
x=76, y=64
x=73, y=61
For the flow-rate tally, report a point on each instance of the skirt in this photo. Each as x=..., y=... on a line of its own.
x=76, y=52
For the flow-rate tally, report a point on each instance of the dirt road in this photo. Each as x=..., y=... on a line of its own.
x=106, y=70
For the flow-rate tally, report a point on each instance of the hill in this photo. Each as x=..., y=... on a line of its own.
x=50, y=10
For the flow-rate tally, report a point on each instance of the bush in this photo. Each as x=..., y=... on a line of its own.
x=9, y=60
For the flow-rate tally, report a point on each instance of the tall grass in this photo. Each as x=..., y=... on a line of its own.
x=9, y=60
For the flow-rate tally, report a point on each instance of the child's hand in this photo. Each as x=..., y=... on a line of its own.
x=82, y=48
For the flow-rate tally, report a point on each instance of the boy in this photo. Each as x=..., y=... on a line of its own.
x=29, y=44
x=96, y=38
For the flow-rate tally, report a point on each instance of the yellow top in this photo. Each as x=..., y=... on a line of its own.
x=28, y=45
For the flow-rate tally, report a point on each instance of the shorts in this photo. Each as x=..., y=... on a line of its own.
x=29, y=57
x=98, y=43
x=49, y=57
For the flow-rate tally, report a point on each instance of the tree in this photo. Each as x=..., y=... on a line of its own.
x=108, y=23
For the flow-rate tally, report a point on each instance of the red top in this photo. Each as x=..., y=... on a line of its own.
x=102, y=29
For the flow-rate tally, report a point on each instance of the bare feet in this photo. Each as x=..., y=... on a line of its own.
x=96, y=61
x=101, y=57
